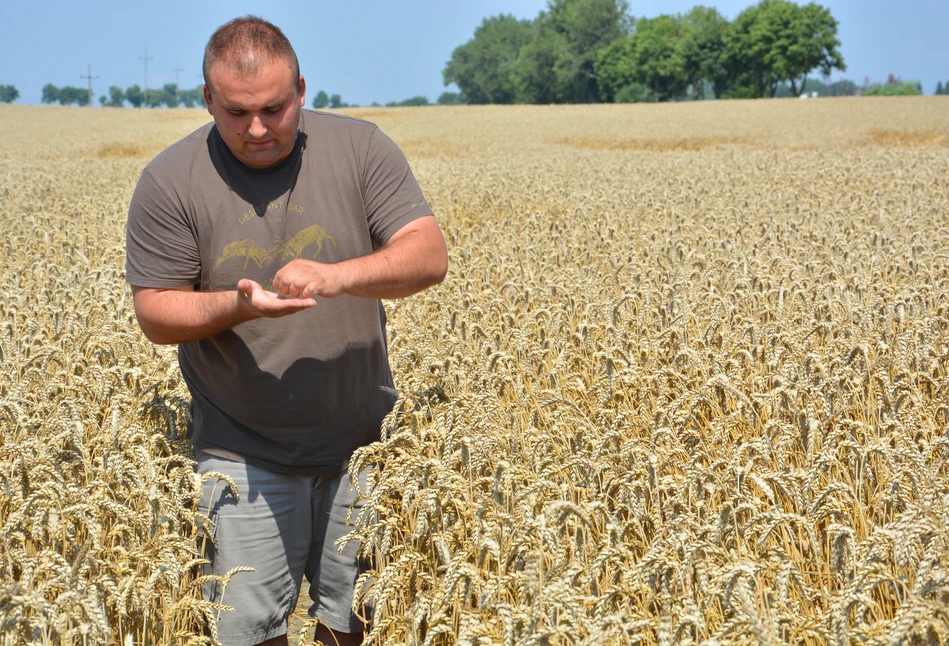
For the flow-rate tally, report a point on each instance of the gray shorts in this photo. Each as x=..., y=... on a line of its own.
x=285, y=527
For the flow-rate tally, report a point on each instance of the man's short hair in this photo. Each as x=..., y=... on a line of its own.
x=243, y=42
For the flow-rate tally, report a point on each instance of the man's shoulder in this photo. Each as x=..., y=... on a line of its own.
x=180, y=156
x=317, y=121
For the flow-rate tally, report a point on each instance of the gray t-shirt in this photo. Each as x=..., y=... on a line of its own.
x=296, y=394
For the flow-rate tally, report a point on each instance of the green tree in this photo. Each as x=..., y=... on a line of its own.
x=414, y=101
x=658, y=56
x=172, y=95
x=703, y=45
x=535, y=79
x=133, y=94
x=939, y=88
x=66, y=95
x=843, y=87
x=50, y=93
x=634, y=93
x=896, y=88
x=193, y=97
x=747, y=48
x=807, y=41
x=652, y=57
x=452, y=98
x=778, y=40
x=484, y=66
x=116, y=97
x=321, y=100
x=336, y=101
x=8, y=93
x=558, y=65
x=69, y=95
x=616, y=68
x=164, y=96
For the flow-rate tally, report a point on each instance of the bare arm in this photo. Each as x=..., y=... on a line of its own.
x=181, y=314
x=415, y=257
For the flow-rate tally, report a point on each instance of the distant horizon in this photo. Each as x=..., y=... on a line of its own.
x=362, y=53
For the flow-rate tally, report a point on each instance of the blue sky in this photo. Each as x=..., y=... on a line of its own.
x=375, y=50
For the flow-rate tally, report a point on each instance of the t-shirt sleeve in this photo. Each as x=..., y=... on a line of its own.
x=160, y=245
x=393, y=197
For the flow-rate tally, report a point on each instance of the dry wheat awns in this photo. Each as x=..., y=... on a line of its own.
x=687, y=382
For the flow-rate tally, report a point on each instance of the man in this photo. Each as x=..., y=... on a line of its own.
x=261, y=245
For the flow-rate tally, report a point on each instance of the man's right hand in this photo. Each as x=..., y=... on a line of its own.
x=260, y=302
x=179, y=315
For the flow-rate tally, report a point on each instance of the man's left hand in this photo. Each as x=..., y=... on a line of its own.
x=307, y=278
x=414, y=257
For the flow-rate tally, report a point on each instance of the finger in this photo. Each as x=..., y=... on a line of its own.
x=310, y=291
x=284, y=284
x=283, y=307
x=284, y=275
x=303, y=286
x=246, y=287
x=293, y=277
x=277, y=284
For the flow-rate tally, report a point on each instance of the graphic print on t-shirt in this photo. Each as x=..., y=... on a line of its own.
x=293, y=248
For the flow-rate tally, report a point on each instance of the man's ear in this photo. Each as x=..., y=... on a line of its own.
x=207, y=99
x=302, y=92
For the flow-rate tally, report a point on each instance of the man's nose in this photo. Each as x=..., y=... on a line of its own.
x=257, y=129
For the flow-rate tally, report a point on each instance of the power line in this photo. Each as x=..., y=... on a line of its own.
x=90, y=77
x=145, y=91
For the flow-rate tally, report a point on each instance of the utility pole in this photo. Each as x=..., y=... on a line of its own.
x=177, y=71
x=90, y=77
x=201, y=93
x=145, y=90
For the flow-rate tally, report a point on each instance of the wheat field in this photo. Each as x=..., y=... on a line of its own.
x=687, y=382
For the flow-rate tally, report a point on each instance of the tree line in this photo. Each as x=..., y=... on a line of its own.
x=8, y=93
x=894, y=86
x=588, y=51
x=168, y=96
x=322, y=100
x=171, y=96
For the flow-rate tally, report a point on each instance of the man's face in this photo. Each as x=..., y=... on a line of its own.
x=258, y=115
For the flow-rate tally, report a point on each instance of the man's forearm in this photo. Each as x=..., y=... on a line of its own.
x=401, y=269
x=182, y=315
x=414, y=258
x=176, y=316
